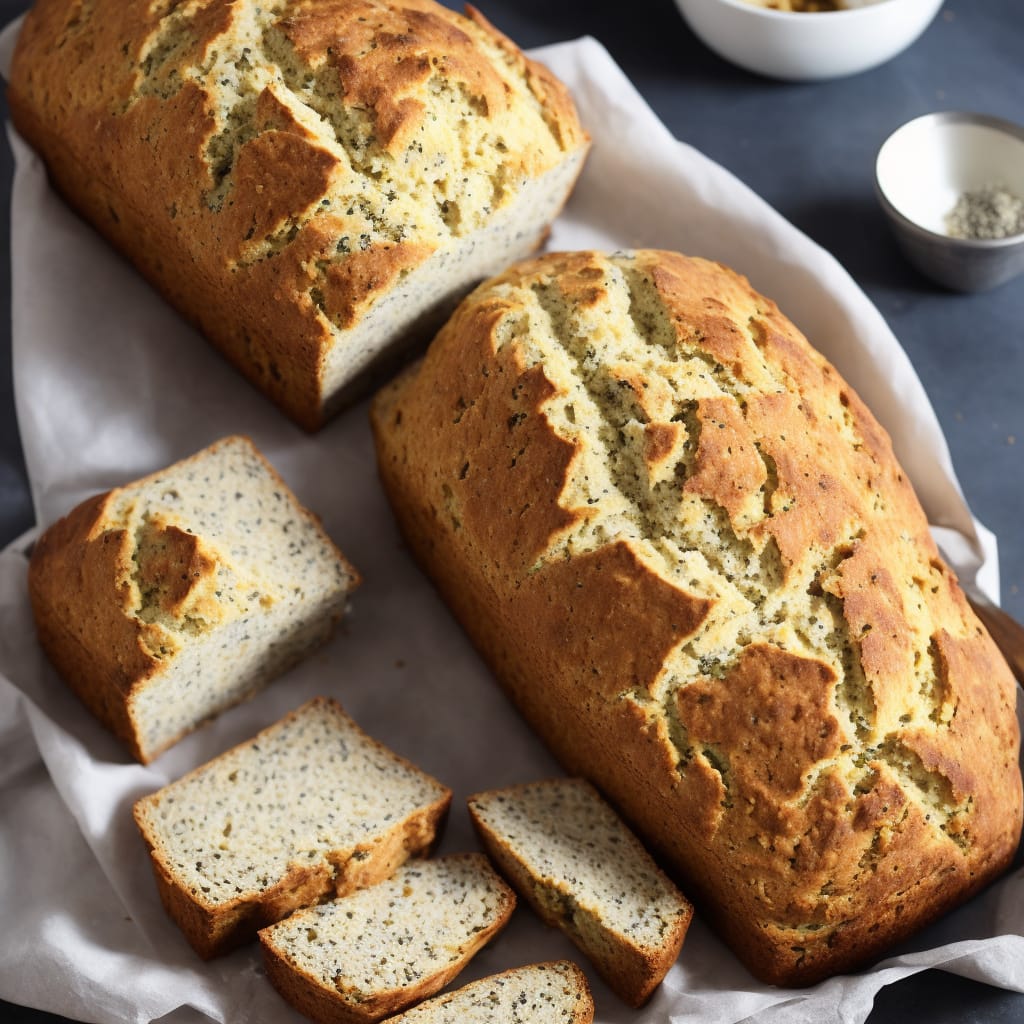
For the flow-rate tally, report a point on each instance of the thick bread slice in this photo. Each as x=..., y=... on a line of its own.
x=548, y=993
x=686, y=548
x=310, y=807
x=382, y=949
x=306, y=180
x=581, y=869
x=163, y=602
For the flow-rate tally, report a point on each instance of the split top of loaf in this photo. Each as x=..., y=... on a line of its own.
x=165, y=601
x=377, y=951
x=687, y=549
x=310, y=807
x=305, y=179
x=570, y=855
x=548, y=993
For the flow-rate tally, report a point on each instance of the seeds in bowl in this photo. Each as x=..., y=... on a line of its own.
x=990, y=212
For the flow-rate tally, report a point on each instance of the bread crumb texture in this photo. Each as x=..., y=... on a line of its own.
x=687, y=549
x=548, y=993
x=282, y=168
x=311, y=807
x=169, y=599
x=570, y=855
x=381, y=949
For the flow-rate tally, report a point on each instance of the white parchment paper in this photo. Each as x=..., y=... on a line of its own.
x=111, y=384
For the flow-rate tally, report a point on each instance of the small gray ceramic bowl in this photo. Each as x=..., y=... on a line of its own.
x=921, y=171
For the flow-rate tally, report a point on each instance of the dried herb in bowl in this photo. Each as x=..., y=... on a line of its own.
x=990, y=212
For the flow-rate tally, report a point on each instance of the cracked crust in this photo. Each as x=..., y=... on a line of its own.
x=164, y=601
x=224, y=864
x=685, y=547
x=306, y=180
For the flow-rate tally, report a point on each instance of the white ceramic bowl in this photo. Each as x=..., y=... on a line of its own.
x=921, y=171
x=808, y=46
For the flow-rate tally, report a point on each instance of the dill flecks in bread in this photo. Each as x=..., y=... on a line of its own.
x=167, y=600
x=306, y=180
x=548, y=993
x=581, y=869
x=311, y=807
x=378, y=951
x=686, y=548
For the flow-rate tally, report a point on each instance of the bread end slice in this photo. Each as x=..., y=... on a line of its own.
x=165, y=601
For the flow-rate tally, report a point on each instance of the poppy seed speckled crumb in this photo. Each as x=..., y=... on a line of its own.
x=309, y=808
x=312, y=184
x=167, y=600
x=569, y=854
x=378, y=951
x=548, y=993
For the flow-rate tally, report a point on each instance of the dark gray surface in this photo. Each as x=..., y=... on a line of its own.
x=808, y=150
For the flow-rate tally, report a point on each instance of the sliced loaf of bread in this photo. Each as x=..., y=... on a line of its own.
x=573, y=859
x=378, y=951
x=310, y=807
x=549, y=993
x=165, y=601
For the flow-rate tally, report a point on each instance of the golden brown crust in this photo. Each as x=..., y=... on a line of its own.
x=569, y=996
x=348, y=1002
x=81, y=563
x=214, y=928
x=556, y=103
x=263, y=164
x=309, y=998
x=631, y=963
x=686, y=548
x=312, y=1000
x=93, y=572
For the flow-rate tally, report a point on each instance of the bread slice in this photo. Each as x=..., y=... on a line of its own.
x=310, y=807
x=165, y=601
x=382, y=949
x=549, y=993
x=568, y=853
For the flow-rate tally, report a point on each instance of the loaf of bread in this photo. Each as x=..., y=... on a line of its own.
x=571, y=857
x=163, y=602
x=549, y=993
x=378, y=951
x=309, y=181
x=311, y=807
x=686, y=548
